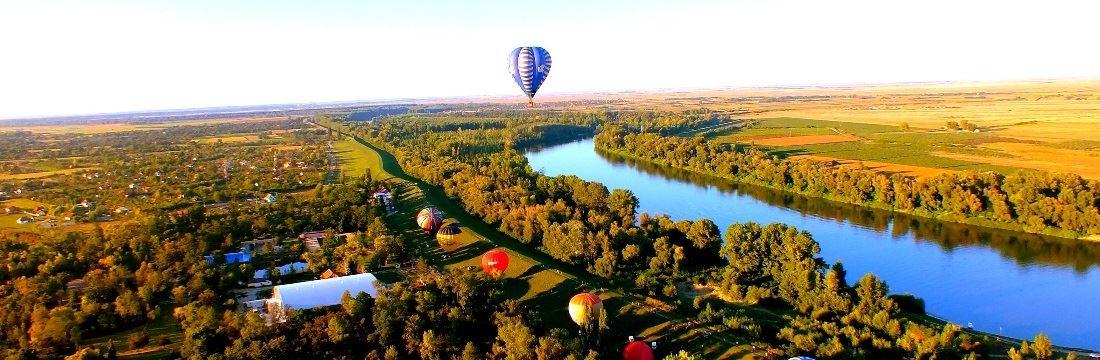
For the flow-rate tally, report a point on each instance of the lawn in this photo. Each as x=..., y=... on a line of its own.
x=165, y=324
x=42, y=174
x=355, y=159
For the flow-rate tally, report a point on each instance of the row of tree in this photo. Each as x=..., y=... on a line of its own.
x=1032, y=201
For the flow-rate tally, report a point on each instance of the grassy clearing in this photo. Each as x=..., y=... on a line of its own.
x=889, y=168
x=230, y=139
x=807, y=140
x=117, y=127
x=165, y=324
x=44, y=174
x=879, y=147
x=1031, y=156
x=356, y=159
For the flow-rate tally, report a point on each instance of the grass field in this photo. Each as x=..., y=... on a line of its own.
x=882, y=148
x=230, y=139
x=7, y=221
x=44, y=174
x=165, y=325
x=116, y=127
x=806, y=140
x=355, y=159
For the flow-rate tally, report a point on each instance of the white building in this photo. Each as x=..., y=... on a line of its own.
x=318, y=293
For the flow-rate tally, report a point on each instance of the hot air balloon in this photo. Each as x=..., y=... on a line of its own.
x=429, y=219
x=584, y=306
x=446, y=234
x=637, y=350
x=494, y=262
x=529, y=66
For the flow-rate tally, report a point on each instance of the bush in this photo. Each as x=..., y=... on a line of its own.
x=162, y=340
x=138, y=340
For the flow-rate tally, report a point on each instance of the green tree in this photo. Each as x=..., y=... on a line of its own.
x=514, y=339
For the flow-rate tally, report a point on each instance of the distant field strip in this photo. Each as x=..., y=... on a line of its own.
x=806, y=140
x=37, y=175
x=908, y=170
x=1029, y=156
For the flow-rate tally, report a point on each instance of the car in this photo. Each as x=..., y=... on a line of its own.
x=261, y=283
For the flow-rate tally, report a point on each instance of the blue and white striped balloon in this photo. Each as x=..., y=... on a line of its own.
x=529, y=65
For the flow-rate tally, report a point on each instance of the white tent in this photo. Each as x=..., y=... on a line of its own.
x=318, y=293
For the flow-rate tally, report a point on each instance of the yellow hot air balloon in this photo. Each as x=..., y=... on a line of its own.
x=446, y=234
x=583, y=307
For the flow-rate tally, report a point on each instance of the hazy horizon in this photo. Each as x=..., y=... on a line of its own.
x=126, y=56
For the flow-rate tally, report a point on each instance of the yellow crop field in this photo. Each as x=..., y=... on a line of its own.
x=43, y=174
x=885, y=167
x=805, y=140
x=1032, y=156
x=116, y=127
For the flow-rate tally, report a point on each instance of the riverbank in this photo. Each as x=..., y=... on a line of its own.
x=946, y=217
x=995, y=279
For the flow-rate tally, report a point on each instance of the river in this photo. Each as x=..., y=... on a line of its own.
x=1001, y=282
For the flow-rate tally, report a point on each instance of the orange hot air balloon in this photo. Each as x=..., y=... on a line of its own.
x=494, y=262
x=584, y=306
x=637, y=350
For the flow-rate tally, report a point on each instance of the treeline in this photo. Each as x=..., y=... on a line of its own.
x=1059, y=204
x=779, y=265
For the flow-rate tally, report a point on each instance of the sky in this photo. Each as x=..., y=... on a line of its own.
x=79, y=57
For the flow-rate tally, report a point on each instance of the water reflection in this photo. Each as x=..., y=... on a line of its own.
x=1023, y=248
x=996, y=279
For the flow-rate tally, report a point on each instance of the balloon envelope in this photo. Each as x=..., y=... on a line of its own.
x=584, y=306
x=529, y=66
x=637, y=350
x=446, y=234
x=494, y=262
x=429, y=219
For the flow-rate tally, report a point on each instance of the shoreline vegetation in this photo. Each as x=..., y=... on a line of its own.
x=1015, y=202
x=584, y=224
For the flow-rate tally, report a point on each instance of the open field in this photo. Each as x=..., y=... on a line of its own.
x=8, y=221
x=884, y=167
x=21, y=203
x=43, y=174
x=165, y=325
x=230, y=139
x=806, y=140
x=1049, y=113
x=913, y=152
x=1032, y=156
x=121, y=126
x=355, y=159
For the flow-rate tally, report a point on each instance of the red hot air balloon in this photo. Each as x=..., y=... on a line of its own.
x=494, y=262
x=637, y=350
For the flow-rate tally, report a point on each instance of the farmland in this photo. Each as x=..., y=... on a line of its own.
x=908, y=151
x=1062, y=114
